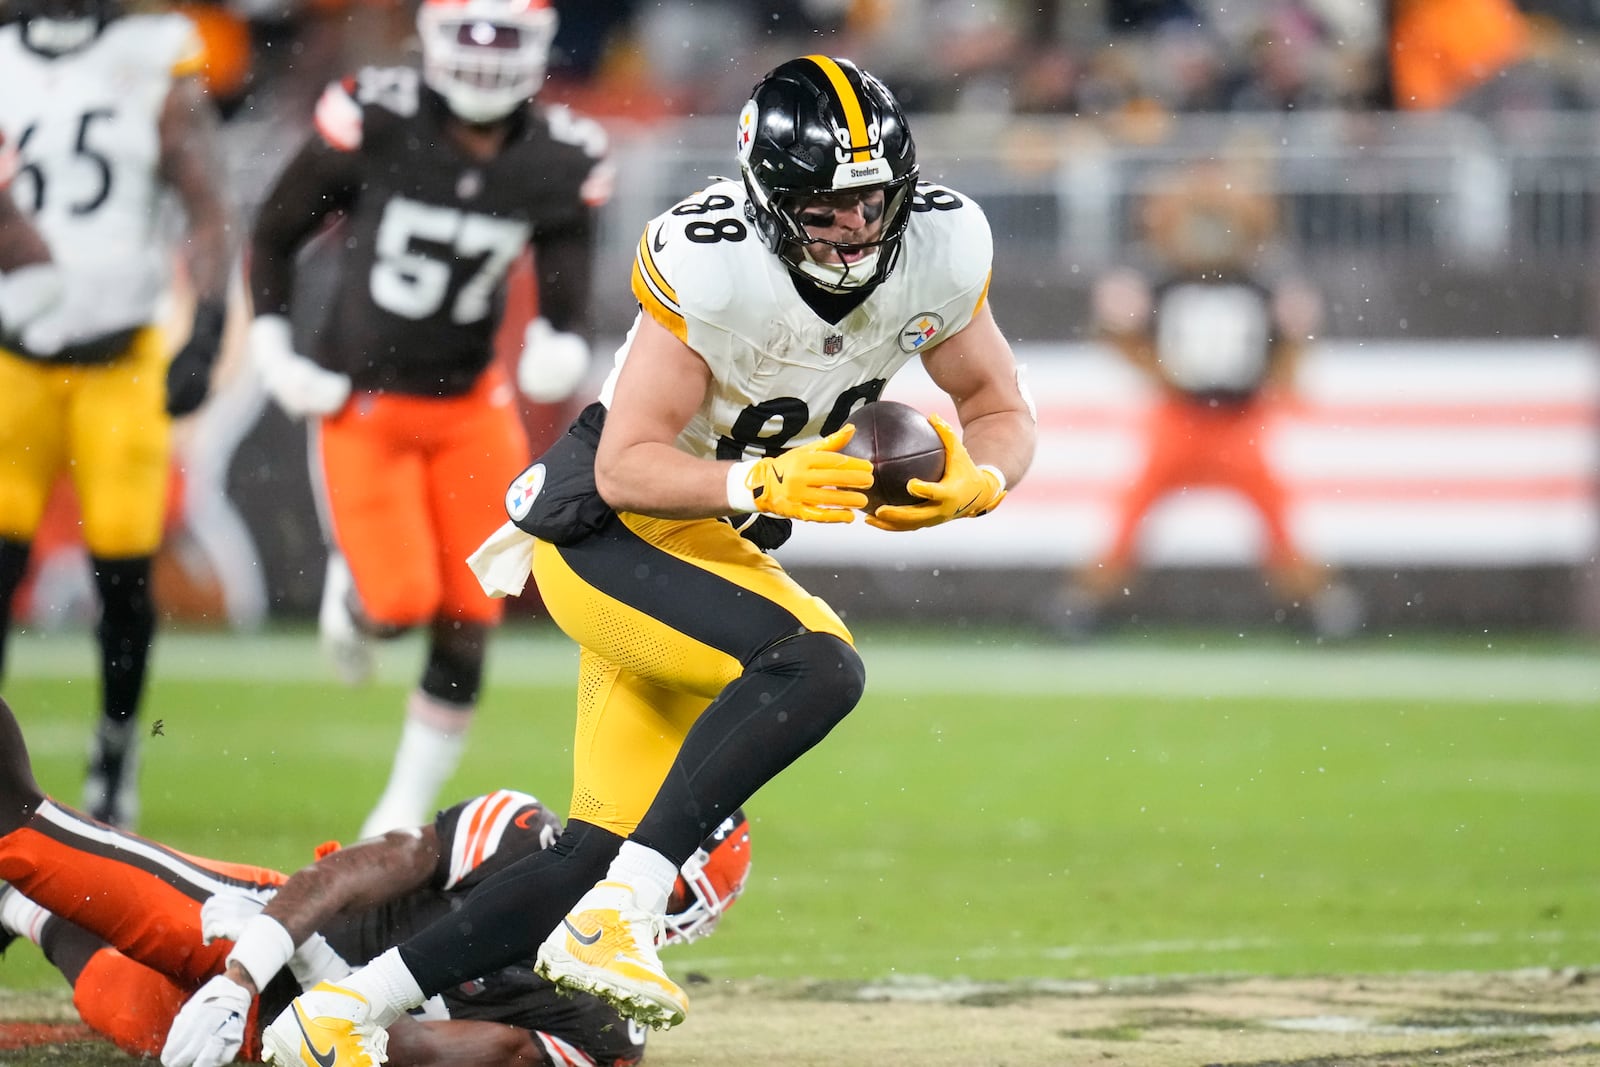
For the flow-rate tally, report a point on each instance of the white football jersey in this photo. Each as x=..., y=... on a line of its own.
x=781, y=375
x=85, y=126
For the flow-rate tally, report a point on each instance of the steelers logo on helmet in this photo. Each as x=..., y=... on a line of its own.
x=829, y=166
x=747, y=128
x=486, y=58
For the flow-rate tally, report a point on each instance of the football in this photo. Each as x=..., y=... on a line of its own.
x=901, y=444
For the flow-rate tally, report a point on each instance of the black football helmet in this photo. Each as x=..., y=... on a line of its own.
x=56, y=27
x=817, y=126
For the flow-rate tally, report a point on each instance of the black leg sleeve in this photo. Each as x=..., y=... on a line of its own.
x=454, y=673
x=13, y=567
x=504, y=920
x=127, y=627
x=786, y=701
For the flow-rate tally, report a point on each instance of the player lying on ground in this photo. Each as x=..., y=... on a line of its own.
x=136, y=928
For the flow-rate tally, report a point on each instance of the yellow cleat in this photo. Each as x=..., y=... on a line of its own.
x=606, y=946
x=327, y=1026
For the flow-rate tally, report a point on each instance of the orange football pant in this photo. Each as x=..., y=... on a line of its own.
x=412, y=486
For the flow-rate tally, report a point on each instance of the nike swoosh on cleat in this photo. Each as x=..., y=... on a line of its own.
x=326, y=1059
x=579, y=937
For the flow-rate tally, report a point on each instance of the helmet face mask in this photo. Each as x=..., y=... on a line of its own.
x=57, y=27
x=485, y=57
x=709, y=882
x=816, y=129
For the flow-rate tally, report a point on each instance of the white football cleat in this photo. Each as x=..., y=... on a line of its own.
x=326, y=1026
x=607, y=946
x=346, y=644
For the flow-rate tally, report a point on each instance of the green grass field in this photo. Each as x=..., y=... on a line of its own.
x=995, y=808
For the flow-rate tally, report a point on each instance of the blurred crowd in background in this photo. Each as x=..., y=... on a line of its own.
x=639, y=60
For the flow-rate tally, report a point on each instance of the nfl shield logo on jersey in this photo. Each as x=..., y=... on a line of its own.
x=833, y=344
x=523, y=492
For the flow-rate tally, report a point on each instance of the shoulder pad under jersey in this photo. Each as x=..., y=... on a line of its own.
x=478, y=830
x=948, y=242
x=704, y=238
x=341, y=113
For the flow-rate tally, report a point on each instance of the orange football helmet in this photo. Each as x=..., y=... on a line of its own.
x=709, y=882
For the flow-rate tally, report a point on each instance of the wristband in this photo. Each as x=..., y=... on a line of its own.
x=740, y=496
x=999, y=475
x=262, y=948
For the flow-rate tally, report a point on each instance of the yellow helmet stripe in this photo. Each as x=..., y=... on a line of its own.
x=854, y=119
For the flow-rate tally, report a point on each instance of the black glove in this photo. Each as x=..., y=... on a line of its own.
x=189, y=373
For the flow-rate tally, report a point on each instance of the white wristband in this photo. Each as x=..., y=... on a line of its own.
x=262, y=948
x=740, y=497
x=999, y=475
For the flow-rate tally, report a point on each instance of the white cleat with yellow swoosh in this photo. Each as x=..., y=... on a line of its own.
x=326, y=1026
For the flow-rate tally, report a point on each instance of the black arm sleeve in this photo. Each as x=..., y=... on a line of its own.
x=319, y=181
x=564, y=260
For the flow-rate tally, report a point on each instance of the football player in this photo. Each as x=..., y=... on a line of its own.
x=106, y=114
x=445, y=176
x=1219, y=331
x=136, y=927
x=770, y=308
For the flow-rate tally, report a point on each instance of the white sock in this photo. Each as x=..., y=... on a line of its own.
x=649, y=872
x=431, y=744
x=19, y=915
x=388, y=986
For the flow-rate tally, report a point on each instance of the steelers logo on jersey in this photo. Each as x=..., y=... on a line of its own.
x=919, y=330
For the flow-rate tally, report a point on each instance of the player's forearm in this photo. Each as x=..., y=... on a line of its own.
x=357, y=877
x=315, y=184
x=460, y=1043
x=650, y=478
x=565, y=263
x=208, y=259
x=191, y=162
x=1003, y=439
x=20, y=243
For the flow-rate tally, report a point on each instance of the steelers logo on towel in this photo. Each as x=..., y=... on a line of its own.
x=520, y=497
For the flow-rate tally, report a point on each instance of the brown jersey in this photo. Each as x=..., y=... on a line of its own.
x=429, y=231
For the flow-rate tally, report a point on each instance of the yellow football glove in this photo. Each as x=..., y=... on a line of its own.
x=965, y=490
x=813, y=482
